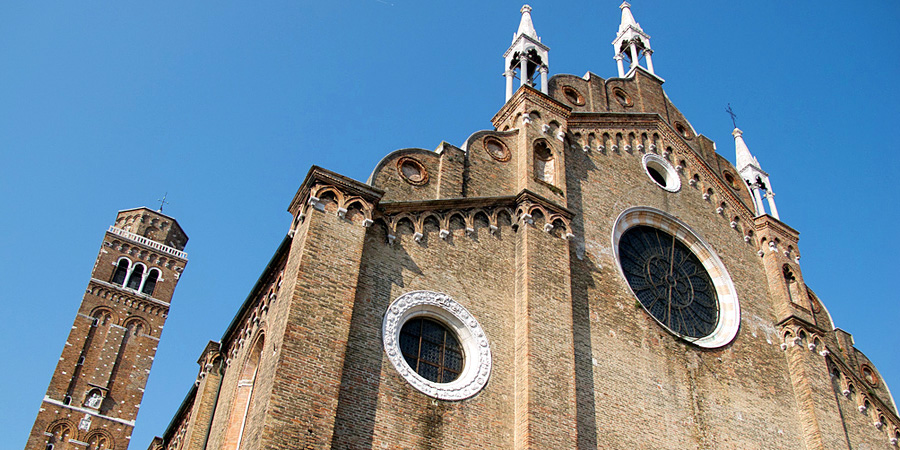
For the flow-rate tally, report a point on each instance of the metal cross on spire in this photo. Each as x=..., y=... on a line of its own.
x=732, y=114
x=162, y=202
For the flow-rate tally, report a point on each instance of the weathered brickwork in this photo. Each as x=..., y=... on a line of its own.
x=518, y=226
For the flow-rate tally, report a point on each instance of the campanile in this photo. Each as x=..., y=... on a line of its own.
x=96, y=390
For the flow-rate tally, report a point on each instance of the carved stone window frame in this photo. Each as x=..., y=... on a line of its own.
x=441, y=307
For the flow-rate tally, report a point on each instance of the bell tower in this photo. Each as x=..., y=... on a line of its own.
x=632, y=43
x=754, y=176
x=96, y=390
x=527, y=56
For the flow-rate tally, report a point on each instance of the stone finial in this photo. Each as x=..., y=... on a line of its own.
x=627, y=17
x=526, y=27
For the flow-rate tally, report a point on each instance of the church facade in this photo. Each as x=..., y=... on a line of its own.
x=588, y=274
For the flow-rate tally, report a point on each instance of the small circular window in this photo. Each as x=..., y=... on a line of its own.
x=869, y=375
x=622, y=97
x=436, y=345
x=661, y=172
x=412, y=171
x=496, y=148
x=683, y=130
x=729, y=178
x=573, y=96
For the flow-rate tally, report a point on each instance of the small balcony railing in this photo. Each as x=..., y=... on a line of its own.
x=148, y=242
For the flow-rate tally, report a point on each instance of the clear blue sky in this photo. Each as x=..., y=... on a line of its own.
x=225, y=105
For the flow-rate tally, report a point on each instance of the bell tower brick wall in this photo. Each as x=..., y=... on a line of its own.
x=96, y=390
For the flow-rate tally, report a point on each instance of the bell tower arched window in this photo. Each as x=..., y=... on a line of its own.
x=150, y=282
x=137, y=275
x=121, y=272
x=544, y=167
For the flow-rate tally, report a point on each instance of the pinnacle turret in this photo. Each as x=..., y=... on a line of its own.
x=526, y=57
x=631, y=42
x=757, y=179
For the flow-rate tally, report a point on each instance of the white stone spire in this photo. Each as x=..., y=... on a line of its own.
x=527, y=56
x=627, y=17
x=756, y=178
x=526, y=27
x=631, y=42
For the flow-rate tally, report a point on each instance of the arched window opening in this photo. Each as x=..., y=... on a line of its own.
x=59, y=437
x=243, y=397
x=150, y=282
x=790, y=283
x=98, y=442
x=137, y=275
x=121, y=272
x=544, y=167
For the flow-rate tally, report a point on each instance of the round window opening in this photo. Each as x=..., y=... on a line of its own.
x=622, y=97
x=869, y=375
x=573, y=96
x=436, y=345
x=496, y=149
x=412, y=171
x=431, y=349
x=683, y=130
x=676, y=277
x=661, y=172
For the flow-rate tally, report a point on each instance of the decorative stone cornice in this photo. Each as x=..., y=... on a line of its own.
x=318, y=178
x=519, y=209
x=681, y=149
x=849, y=375
x=210, y=358
x=777, y=227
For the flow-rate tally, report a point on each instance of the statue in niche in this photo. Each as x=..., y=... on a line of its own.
x=93, y=400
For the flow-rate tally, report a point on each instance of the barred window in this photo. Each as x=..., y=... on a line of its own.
x=431, y=350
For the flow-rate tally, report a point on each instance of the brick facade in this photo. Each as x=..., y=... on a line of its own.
x=518, y=226
x=523, y=243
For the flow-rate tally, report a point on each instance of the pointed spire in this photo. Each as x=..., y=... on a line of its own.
x=742, y=153
x=526, y=27
x=754, y=176
x=633, y=43
x=527, y=56
x=627, y=18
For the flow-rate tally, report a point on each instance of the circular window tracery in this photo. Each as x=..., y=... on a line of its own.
x=729, y=178
x=412, y=171
x=661, y=172
x=497, y=149
x=676, y=277
x=436, y=314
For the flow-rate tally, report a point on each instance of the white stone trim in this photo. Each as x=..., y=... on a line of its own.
x=439, y=306
x=729, y=306
x=664, y=167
